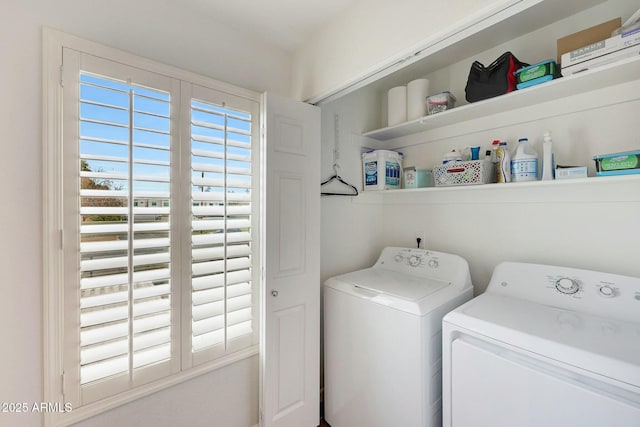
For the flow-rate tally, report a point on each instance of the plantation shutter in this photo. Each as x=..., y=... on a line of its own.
x=223, y=218
x=123, y=285
x=160, y=199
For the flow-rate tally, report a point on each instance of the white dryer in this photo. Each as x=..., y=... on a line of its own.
x=544, y=346
x=383, y=341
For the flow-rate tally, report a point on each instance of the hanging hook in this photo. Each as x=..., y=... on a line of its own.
x=351, y=190
x=336, y=142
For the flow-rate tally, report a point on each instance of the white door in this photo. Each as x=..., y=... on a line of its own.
x=290, y=327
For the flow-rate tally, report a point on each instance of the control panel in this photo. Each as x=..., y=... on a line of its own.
x=575, y=286
x=416, y=259
x=424, y=263
x=599, y=293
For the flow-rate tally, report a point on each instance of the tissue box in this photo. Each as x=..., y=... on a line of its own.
x=571, y=172
x=417, y=178
x=440, y=102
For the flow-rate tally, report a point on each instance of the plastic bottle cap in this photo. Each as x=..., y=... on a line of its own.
x=451, y=156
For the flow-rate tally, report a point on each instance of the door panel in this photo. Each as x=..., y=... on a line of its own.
x=291, y=226
x=291, y=324
x=290, y=332
x=495, y=387
x=289, y=135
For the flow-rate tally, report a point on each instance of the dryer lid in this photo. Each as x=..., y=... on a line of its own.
x=605, y=346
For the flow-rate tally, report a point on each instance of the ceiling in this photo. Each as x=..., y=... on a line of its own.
x=283, y=23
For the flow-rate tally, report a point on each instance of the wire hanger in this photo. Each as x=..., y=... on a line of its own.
x=349, y=191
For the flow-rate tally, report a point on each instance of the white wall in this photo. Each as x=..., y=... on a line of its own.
x=368, y=34
x=226, y=397
x=590, y=226
x=351, y=232
x=158, y=29
x=562, y=225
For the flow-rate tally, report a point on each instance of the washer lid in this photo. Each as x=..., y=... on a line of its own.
x=392, y=283
x=604, y=346
x=400, y=291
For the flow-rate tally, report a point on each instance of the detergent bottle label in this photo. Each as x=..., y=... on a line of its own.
x=526, y=169
x=392, y=174
x=371, y=173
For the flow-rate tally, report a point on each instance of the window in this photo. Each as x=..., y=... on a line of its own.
x=120, y=288
x=159, y=212
x=221, y=212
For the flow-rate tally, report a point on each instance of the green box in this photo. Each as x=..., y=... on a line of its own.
x=624, y=163
x=536, y=74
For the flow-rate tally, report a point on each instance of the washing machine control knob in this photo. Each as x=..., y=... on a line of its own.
x=399, y=258
x=414, y=260
x=607, y=291
x=567, y=285
x=433, y=263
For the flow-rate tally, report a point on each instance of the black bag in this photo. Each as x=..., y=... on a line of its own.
x=496, y=79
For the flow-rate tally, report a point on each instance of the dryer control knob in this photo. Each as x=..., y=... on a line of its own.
x=567, y=285
x=399, y=258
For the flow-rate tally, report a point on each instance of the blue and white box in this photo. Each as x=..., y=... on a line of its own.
x=381, y=170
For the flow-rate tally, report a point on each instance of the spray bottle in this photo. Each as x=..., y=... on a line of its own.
x=494, y=148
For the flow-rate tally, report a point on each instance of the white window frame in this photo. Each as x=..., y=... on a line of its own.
x=53, y=299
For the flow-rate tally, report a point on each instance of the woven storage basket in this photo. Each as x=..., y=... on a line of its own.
x=464, y=173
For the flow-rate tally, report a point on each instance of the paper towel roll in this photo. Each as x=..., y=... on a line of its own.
x=397, y=105
x=417, y=92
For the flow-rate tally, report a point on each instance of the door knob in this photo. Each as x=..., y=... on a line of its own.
x=274, y=293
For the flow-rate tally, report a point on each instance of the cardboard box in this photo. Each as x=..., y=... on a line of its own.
x=599, y=61
x=586, y=37
x=604, y=47
x=591, y=51
x=571, y=172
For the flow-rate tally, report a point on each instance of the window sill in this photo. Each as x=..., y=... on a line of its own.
x=93, y=409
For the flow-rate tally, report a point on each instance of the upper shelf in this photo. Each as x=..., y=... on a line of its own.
x=612, y=74
x=501, y=22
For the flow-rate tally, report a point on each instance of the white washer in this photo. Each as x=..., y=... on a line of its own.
x=544, y=346
x=383, y=341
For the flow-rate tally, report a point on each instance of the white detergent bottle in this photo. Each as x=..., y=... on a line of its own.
x=524, y=162
x=548, y=164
